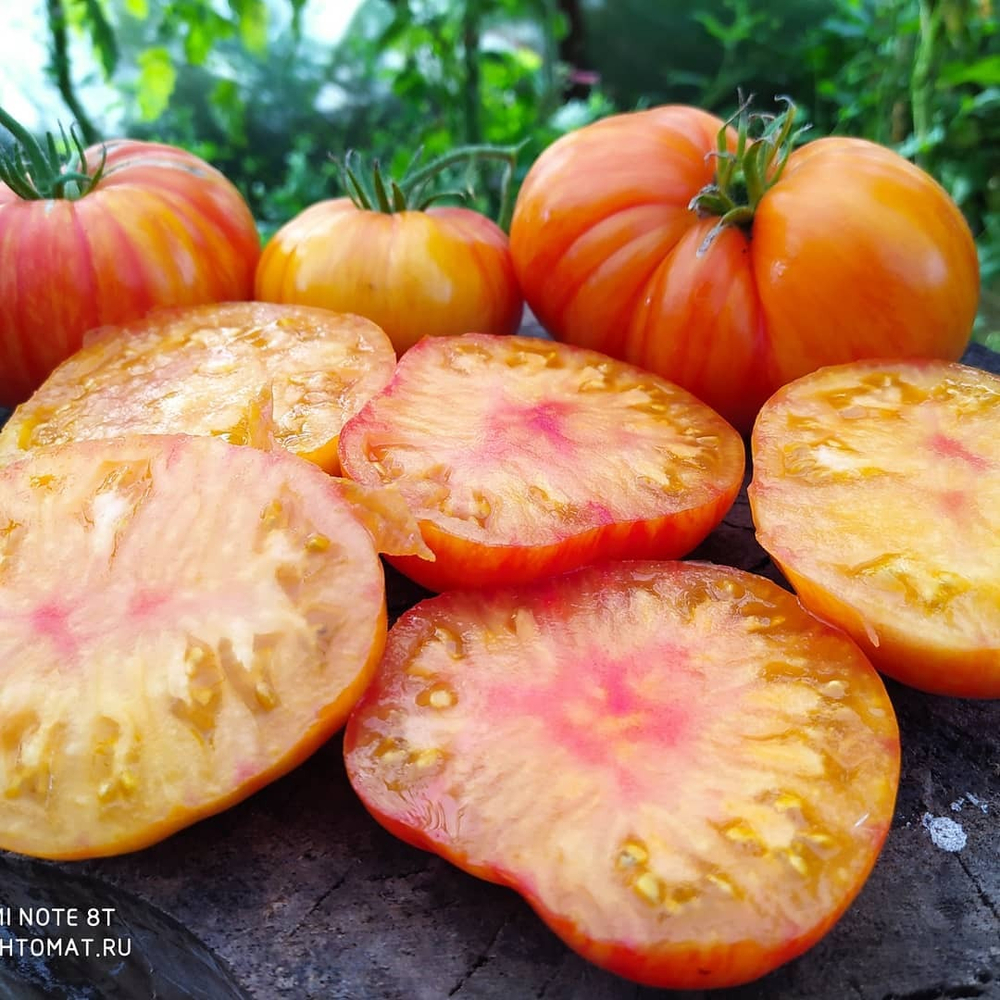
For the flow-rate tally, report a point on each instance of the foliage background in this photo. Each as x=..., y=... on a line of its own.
x=247, y=85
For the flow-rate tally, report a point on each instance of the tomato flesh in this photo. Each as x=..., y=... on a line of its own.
x=877, y=490
x=182, y=620
x=686, y=775
x=521, y=457
x=246, y=372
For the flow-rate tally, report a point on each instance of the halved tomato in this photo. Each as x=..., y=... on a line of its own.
x=687, y=775
x=876, y=489
x=182, y=621
x=242, y=371
x=521, y=458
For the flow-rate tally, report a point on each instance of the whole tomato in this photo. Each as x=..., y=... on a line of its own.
x=417, y=271
x=732, y=266
x=126, y=227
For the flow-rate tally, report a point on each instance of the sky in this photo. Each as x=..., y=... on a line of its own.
x=28, y=95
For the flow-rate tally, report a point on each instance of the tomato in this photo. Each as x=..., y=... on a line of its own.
x=182, y=621
x=247, y=372
x=876, y=489
x=159, y=227
x=415, y=273
x=684, y=773
x=522, y=457
x=851, y=252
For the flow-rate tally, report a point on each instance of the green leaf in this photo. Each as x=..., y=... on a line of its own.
x=230, y=109
x=985, y=72
x=102, y=35
x=251, y=19
x=137, y=8
x=198, y=43
x=157, y=78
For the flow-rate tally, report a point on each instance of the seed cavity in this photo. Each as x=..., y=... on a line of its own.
x=450, y=640
x=28, y=752
x=633, y=854
x=650, y=888
x=426, y=759
x=836, y=689
x=251, y=681
x=741, y=833
x=317, y=542
x=438, y=696
x=797, y=862
x=198, y=701
x=273, y=516
x=722, y=883
x=786, y=802
x=391, y=750
x=114, y=761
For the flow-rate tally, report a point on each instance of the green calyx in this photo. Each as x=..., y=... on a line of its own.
x=373, y=192
x=36, y=172
x=744, y=175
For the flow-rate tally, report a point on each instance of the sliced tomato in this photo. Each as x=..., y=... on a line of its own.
x=182, y=621
x=522, y=457
x=687, y=775
x=876, y=489
x=242, y=371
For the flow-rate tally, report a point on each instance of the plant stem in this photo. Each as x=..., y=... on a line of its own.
x=471, y=96
x=60, y=68
x=921, y=95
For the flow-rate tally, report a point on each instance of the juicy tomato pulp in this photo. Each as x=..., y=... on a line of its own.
x=182, y=621
x=246, y=372
x=522, y=458
x=686, y=774
x=877, y=490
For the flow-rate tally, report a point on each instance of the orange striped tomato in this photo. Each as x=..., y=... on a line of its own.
x=837, y=251
x=160, y=227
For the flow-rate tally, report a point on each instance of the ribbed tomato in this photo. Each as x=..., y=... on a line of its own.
x=156, y=226
x=843, y=251
x=685, y=774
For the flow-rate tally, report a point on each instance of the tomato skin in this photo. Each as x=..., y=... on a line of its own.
x=853, y=253
x=160, y=228
x=459, y=565
x=437, y=272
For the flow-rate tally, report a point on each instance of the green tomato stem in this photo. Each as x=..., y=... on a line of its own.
x=369, y=191
x=35, y=172
x=744, y=175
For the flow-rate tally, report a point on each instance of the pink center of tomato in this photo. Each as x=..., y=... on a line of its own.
x=949, y=447
x=609, y=713
x=146, y=602
x=51, y=620
x=548, y=420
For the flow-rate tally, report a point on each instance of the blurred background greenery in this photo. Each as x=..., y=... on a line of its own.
x=269, y=90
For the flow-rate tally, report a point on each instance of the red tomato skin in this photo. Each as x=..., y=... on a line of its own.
x=160, y=228
x=461, y=565
x=438, y=272
x=854, y=253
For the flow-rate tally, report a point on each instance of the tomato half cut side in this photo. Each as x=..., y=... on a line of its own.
x=246, y=372
x=523, y=458
x=182, y=621
x=876, y=488
x=687, y=775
